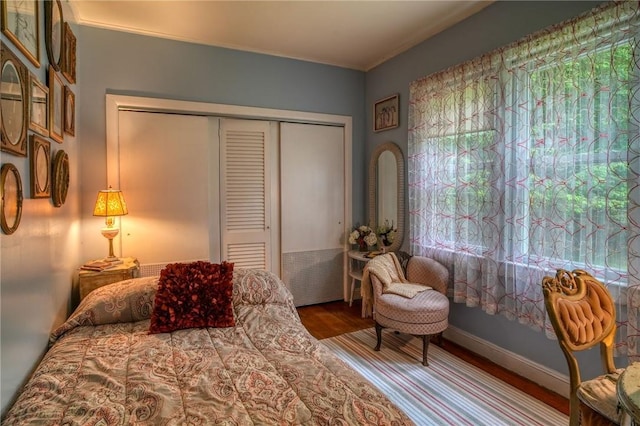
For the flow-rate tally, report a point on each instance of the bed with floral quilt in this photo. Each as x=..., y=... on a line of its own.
x=201, y=344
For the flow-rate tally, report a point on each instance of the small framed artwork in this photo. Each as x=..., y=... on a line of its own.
x=69, y=56
x=21, y=25
x=54, y=36
x=69, y=111
x=385, y=114
x=38, y=106
x=40, y=160
x=56, y=106
x=60, y=178
x=11, y=200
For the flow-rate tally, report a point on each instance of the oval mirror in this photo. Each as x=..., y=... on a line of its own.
x=54, y=23
x=11, y=201
x=386, y=194
x=13, y=104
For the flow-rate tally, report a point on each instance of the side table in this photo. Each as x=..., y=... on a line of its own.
x=628, y=391
x=357, y=262
x=90, y=280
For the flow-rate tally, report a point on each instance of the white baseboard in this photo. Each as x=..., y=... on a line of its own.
x=545, y=377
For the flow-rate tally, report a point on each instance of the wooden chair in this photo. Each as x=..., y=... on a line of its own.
x=583, y=315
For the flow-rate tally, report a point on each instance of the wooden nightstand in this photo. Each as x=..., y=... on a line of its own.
x=90, y=280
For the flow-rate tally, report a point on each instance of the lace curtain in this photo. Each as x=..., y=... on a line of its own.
x=526, y=160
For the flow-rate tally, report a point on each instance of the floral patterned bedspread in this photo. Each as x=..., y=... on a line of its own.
x=104, y=368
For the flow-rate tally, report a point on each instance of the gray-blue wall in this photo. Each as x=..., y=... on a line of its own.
x=497, y=25
x=38, y=260
x=112, y=62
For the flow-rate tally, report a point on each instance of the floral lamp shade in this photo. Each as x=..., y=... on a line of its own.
x=110, y=202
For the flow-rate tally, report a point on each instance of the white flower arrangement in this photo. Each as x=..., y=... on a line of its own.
x=363, y=235
x=386, y=233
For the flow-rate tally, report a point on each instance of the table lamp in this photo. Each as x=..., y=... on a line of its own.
x=110, y=203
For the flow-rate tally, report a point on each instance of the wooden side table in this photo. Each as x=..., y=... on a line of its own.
x=90, y=280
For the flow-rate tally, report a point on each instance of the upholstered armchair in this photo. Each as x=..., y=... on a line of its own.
x=416, y=304
x=583, y=315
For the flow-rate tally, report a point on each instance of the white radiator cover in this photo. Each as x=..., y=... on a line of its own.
x=153, y=269
x=314, y=276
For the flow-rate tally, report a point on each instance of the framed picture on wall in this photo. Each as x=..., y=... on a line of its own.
x=54, y=37
x=69, y=56
x=40, y=159
x=69, y=111
x=21, y=25
x=14, y=103
x=11, y=205
x=385, y=114
x=56, y=106
x=38, y=106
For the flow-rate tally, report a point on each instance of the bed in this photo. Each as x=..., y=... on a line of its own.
x=105, y=367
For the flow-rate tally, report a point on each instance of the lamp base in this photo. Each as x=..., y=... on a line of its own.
x=110, y=233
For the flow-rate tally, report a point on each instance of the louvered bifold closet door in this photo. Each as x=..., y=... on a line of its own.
x=245, y=185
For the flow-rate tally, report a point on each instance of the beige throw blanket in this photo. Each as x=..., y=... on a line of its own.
x=386, y=268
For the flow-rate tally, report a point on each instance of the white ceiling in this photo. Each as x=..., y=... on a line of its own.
x=352, y=34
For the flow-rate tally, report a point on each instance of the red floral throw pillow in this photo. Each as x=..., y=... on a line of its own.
x=193, y=295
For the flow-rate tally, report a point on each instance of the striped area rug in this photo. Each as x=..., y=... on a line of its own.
x=448, y=392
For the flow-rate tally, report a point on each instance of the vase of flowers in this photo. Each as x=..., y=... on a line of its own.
x=364, y=237
x=386, y=234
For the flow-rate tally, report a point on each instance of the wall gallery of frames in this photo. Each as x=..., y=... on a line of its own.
x=35, y=117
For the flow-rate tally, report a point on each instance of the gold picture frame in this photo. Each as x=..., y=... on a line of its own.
x=21, y=25
x=385, y=113
x=11, y=198
x=69, y=55
x=13, y=103
x=60, y=178
x=40, y=173
x=54, y=32
x=38, y=106
x=69, y=111
x=56, y=106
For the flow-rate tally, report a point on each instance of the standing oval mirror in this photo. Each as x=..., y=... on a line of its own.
x=386, y=195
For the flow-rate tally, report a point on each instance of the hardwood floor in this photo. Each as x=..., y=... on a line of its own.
x=335, y=318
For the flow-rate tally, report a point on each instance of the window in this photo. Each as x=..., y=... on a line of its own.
x=526, y=160
x=578, y=155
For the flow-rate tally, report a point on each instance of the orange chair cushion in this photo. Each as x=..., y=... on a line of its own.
x=586, y=320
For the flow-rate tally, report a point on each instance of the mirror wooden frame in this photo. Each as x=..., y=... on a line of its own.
x=38, y=106
x=54, y=33
x=10, y=228
x=40, y=167
x=18, y=147
x=60, y=178
x=56, y=106
x=29, y=27
x=373, y=186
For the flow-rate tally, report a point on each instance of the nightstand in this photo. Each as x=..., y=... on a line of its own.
x=90, y=280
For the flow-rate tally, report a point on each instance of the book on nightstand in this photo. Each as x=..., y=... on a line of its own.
x=100, y=265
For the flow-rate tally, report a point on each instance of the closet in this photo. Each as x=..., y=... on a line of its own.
x=265, y=194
